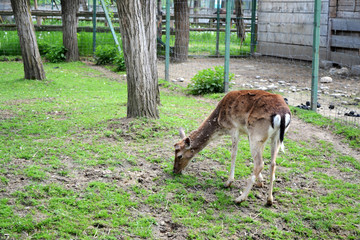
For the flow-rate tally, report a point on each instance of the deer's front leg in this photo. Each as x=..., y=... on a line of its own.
x=234, y=149
x=256, y=152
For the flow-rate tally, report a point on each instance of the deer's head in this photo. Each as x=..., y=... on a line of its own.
x=183, y=152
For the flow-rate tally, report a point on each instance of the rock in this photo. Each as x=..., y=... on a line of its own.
x=343, y=71
x=257, y=77
x=336, y=95
x=331, y=106
x=272, y=87
x=256, y=54
x=263, y=88
x=262, y=80
x=180, y=79
x=357, y=99
x=355, y=70
x=326, y=64
x=281, y=82
x=324, y=88
x=326, y=80
x=332, y=71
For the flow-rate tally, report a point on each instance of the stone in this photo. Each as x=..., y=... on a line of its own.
x=180, y=79
x=257, y=77
x=326, y=80
x=343, y=71
x=272, y=87
x=355, y=70
x=326, y=64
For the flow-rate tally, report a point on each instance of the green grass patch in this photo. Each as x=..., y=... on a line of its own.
x=72, y=166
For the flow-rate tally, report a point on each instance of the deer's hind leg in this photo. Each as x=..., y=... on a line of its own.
x=275, y=145
x=234, y=149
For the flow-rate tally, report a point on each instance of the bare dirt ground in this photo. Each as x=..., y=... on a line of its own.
x=292, y=78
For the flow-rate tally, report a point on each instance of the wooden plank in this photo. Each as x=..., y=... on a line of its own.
x=292, y=7
x=288, y=51
x=286, y=38
x=345, y=58
x=348, y=14
x=345, y=41
x=346, y=24
x=290, y=17
x=294, y=28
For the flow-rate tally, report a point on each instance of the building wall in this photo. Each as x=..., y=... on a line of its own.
x=285, y=29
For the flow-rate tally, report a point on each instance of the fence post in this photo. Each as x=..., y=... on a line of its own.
x=315, y=62
x=94, y=26
x=111, y=26
x=167, y=43
x=227, y=46
x=253, y=32
x=217, y=27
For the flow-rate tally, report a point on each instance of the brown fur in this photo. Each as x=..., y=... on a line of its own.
x=249, y=112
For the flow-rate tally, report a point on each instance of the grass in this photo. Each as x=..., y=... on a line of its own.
x=73, y=167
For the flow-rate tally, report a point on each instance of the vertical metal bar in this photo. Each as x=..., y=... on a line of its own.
x=94, y=25
x=167, y=44
x=253, y=30
x=227, y=45
x=110, y=25
x=217, y=26
x=315, y=61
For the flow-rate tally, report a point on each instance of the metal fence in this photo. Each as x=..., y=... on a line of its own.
x=283, y=42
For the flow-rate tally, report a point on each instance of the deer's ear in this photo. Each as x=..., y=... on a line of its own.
x=187, y=142
x=182, y=133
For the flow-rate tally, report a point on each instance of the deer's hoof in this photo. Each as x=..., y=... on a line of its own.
x=270, y=201
x=240, y=199
x=228, y=183
x=259, y=184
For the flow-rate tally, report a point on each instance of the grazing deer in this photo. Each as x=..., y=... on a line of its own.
x=256, y=113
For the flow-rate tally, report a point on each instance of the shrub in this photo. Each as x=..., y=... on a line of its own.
x=43, y=47
x=119, y=62
x=55, y=54
x=105, y=54
x=208, y=81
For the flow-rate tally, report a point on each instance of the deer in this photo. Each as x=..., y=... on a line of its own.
x=258, y=114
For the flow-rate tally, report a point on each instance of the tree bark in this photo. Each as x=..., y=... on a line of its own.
x=68, y=14
x=240, y=26
x=33, y=66
x=182, y=27
x=137, y=20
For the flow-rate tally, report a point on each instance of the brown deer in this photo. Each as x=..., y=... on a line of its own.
x=259, y=115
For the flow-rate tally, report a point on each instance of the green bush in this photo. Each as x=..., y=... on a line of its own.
x=55, y=54
x=119, y=62
x=105, y=54
x=208, y=81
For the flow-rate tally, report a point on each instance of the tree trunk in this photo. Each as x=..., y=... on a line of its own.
x=182, y=27
x=137, y=20
x=33, y=66
x=240, y=26
x=68, y=13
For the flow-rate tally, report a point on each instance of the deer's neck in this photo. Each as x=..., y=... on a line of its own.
x=209, y=129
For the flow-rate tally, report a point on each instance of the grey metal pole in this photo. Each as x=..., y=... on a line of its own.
x=110, y=25
x=167, y=43
x=94, y=26
x=315, y=61
x=217, y=27
x=227, y=46
x=253, y=32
